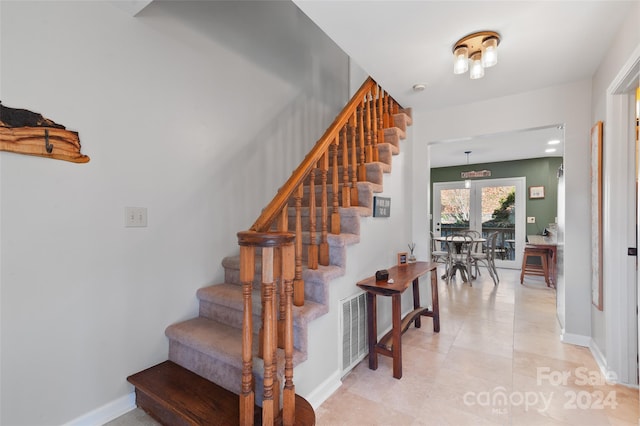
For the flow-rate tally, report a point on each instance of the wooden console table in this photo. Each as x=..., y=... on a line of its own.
x=390, y=344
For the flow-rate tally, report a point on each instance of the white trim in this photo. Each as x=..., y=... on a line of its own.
x=619, y=310
x=601, y=360
x=320, y=394
x=575, y=339
x=107, y=412
x=602, y=364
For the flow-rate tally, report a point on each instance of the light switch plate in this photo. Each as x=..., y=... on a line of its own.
x=531, y=219
x=135, y=217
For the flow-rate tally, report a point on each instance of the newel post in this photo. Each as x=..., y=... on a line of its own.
x=272, y=267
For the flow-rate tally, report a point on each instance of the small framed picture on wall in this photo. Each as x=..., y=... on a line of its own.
x=536, y=192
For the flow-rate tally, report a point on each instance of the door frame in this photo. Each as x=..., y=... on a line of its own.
x=622, y=324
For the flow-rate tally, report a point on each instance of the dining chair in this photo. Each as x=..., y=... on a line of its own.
x=487, y=258
x=459, y=256
x=477, y=246
x=437, y=254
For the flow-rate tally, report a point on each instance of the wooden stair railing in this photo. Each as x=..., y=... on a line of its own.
x=354, y=134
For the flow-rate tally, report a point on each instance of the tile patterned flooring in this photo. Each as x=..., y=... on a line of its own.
x=497, y=360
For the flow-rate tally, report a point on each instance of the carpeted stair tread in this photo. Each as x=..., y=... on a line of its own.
x=344, y=211
x=394, y=135
x=209, y=337
x=401, y=121
x=375, y=172
x=409, y=115
x=386, y=151
x=334, y=240
x=366, y=185
x=230, y=295
x=322, y=274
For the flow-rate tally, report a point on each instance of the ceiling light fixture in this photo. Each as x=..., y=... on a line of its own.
x=548, y=150
x=553, y=142
x=481, y=49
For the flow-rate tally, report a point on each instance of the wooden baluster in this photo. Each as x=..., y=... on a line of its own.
x=277, y=276
x=335, y=213
x=393, y=109
x=385, y=118
x=247, y=397
x=312, y=252
x=380, y=115
x=346, y=191
x=368, y=142
x=298, y=283
x=282, y=226
x=289, y=403
x=362, y=171
x=374, y=127
x=324, y=218
x=268, y=403
x=354, y=160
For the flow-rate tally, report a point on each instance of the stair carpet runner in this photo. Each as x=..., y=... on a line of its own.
x=210, y=345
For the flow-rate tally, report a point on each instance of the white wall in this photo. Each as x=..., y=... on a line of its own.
x=615, y=260
x=198, y=111
x=568, y=105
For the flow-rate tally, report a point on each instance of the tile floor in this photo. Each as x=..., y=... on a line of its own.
x=496, y=361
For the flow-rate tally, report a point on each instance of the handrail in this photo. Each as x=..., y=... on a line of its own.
x=276, y=205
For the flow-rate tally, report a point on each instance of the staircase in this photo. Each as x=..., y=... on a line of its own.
x=301, y=238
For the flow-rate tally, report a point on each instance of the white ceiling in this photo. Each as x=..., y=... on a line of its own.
x=402, y=43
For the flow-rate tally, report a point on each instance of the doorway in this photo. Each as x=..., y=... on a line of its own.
x=486, y=206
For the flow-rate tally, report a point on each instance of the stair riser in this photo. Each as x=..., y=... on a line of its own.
x=213, y=369
x=365, y=196
x=163, y=414
x=384, y=155
x=233, y=317
x=221, y=373
x=348, y=224
x=336, y=258
x=400, y=129
x=374, y=175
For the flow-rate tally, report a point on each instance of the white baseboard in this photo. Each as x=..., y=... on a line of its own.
x=575, y=339
x=107, y=412
x=324, y=391
x=123, y=405
x=598, y=356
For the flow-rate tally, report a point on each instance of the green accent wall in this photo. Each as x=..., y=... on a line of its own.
x=537, y=171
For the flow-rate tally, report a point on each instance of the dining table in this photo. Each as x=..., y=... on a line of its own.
x=459, y=265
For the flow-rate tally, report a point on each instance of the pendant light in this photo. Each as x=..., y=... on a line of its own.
x=467, y=182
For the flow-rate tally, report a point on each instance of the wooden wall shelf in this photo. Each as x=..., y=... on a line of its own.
x=27, y=132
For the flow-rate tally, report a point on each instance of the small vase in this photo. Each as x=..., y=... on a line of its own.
x=411, y=258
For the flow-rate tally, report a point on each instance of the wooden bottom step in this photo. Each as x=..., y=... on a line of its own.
x=174, y=396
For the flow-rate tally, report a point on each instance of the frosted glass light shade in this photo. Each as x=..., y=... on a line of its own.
x=490, y=55
x=461, y=61
x=477, y=70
